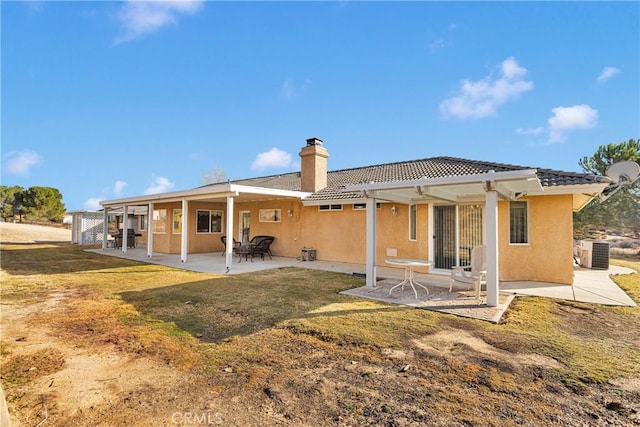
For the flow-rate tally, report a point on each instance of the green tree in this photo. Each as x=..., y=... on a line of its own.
x=43, y=204
x=622, y=210
x=10, y=200
x=606, y=155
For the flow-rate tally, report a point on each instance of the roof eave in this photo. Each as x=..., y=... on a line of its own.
x=214, y=190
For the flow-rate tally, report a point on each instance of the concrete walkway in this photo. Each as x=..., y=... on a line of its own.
x=592, y=286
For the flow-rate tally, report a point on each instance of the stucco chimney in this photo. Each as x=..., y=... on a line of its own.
x=313, y=170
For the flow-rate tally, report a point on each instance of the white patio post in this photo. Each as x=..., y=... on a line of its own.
x=491, y=233
x=125, y=229
x=150, y=230
x=105, y=227
x=229, y=248
x=370, y=267
x=184, y=244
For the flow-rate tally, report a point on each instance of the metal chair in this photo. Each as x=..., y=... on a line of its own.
x=255, y=241
x=262, y=247
x=236, y=245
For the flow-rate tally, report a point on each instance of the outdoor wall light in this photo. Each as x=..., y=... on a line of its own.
x=394, y=210
x=290, y=212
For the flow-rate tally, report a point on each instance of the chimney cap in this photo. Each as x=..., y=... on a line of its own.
x=314, y=141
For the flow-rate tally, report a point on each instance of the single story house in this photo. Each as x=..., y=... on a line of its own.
x=432, y=209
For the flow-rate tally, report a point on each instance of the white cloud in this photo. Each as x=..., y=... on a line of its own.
x=92, y=204
x=140, y=18
x=290, y=90
x=119, y=187
x=160, y=184
x=482, y=98
x=436, y=45
x=21, y=162
x=530, y=131
x=566, y=119
x=608, y=73
x=272, y=159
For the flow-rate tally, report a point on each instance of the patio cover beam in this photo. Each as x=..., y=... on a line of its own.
x=150, y=231
x=125, y=229
x=491, y=236
x=105, y=228
x=370, y=265
x=491, y=185
x=184, y=241
x=229, y=248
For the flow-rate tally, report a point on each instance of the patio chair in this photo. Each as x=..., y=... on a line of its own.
x=262, y=247
x=474, y=275
x=236, y=245
x=255, y=241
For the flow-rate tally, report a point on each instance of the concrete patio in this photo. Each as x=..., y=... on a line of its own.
x=591, y=286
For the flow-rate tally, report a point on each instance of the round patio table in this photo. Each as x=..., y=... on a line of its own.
x=244, y=250
x=409, y=274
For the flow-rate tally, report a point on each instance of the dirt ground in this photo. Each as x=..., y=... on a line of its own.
x=68, y=378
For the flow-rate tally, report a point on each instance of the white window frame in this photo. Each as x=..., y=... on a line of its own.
x=328, y=208
x=413, y=222
x=143, y=222
x=176, y=227
x=363, y=206
x=526, y=223
x=159, y=221
x=210, y=213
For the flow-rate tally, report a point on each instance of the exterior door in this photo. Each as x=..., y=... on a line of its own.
x=458, y=228
x=245, y=227
x=445, y=236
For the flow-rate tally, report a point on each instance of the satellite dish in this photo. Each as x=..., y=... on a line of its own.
x=623, y=172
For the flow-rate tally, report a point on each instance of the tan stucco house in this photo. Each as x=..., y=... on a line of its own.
x=433, y=209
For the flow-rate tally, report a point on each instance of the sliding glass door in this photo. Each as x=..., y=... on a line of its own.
x=458, y=228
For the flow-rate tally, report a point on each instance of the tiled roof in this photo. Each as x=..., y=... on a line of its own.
x=434, y=167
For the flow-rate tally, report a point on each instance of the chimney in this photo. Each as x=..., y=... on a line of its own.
x=313, y=170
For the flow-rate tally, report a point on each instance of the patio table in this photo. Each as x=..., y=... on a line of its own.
x=409, y=274
x=246, y=251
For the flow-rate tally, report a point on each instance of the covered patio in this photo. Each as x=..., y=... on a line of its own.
x=591, y=286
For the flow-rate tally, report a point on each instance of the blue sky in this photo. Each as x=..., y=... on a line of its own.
x=104, y=100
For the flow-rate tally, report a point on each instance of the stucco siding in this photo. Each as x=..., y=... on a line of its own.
x=548, y=257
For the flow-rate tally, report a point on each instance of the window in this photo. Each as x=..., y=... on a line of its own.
x=363, y=206
x=413, y=222
x=330, y=207
x=209, y=221
x=269, y=215
x=177, y=221
x=143, y=222
x=518, y=222
x=160, y=221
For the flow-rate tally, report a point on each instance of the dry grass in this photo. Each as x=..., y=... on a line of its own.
x=286, y=342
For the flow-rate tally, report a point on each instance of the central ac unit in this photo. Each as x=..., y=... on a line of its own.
x=594, y=254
